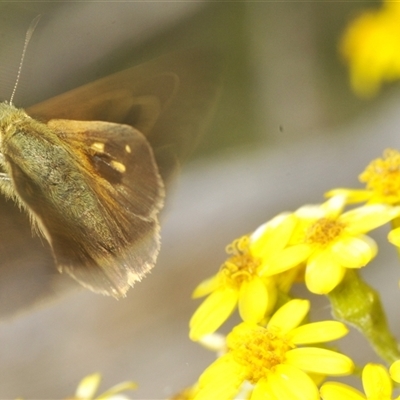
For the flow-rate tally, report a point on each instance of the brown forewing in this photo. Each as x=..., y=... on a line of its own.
x=123, y=228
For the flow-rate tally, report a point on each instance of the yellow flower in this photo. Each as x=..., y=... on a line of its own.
x=371, y=46
x=88, y=386
x=376, y=383
x=270, y=358
x=382, y=180
x=240, y=280
x=331, y=241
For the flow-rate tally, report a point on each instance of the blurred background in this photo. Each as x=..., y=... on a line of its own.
x=287, y=129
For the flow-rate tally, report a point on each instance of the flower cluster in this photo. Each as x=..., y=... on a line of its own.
x=321, y=240
x=268, y=354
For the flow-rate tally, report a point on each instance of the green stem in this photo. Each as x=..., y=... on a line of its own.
x=356, y=303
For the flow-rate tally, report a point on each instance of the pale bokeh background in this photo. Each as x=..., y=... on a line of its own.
x=287, y=129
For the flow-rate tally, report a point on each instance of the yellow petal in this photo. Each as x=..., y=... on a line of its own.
x=290, y=383
x=290, y=315
x=221, y=367
x=310, y=212
x=323, y=273
x=318, y=332
x=214, y=342
x=206, y=287
x=262, y=391
x=364, y=219
x=286, y=259
x=213, y=312
x=253, y=300
x=114, y=392
x=351, y=195
x=88, y=386
x=394, y=236
x=321, y=361
x=333, y=207
x=376, y=382
x=395, y=371
x=221, y=380
x=354, y=252
x=272, y=236
x=340, y=391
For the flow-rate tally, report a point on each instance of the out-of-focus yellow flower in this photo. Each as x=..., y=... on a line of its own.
x=371, y=46
x=376, y=383
x=382, y=181
x=88, y=386
x=330, y=241
x=241, y=279
x=270, y=358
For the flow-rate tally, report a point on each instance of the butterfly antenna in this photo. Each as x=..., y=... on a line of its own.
x=28, y=36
